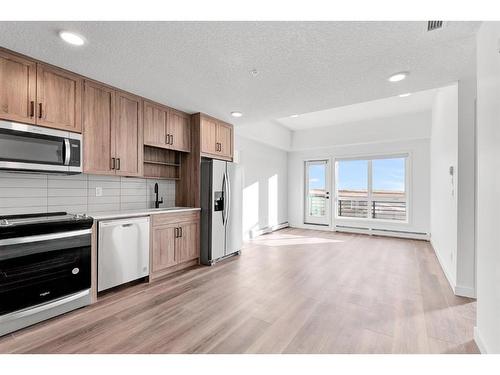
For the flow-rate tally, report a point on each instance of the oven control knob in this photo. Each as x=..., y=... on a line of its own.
x=75, y=270
x=4, y=223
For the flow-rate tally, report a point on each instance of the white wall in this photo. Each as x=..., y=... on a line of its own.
x=395, y=128
x=488, y=188
x=264, y=184
x=370, y=133
x=267, y=132
x=444, y=153
x=466, y=173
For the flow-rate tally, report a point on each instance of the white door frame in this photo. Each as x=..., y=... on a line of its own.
x=327, y=219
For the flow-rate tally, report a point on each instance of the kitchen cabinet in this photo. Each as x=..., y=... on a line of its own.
x=36, y=93
x=187, y=241
x=166, y=128
x=98, y=142
x=59, y=98
x=176, y=242
x=164, y=238
x=17, y=88
x=179, y=129
x=128, y=134
x=155, y=125
x=225, y=139
x=216, y=138
x=112, y=131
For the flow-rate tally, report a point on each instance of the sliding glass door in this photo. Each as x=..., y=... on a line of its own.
x=317, y=192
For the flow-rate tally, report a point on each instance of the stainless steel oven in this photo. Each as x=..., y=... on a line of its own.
x=36, y=149
x=45, y=267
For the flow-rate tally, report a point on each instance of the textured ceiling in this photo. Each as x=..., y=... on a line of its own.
x=303, y=66
x=381, y=108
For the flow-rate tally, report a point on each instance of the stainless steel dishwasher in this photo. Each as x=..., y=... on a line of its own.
x=123, y=251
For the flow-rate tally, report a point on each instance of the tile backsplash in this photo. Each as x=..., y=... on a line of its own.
x=30, y=193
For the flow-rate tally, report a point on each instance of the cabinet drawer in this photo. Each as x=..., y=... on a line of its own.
x=173, y=218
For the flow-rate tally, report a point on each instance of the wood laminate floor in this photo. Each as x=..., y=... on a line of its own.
x=293, y=291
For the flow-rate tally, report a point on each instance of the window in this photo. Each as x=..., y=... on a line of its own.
x=372, y=188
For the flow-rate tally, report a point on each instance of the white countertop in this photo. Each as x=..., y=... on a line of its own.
x=104, y=215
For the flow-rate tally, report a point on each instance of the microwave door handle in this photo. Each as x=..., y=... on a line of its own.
x=67, y=151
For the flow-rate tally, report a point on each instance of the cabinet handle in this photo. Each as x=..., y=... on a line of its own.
x=39, y=110
x=176, y=232
x=32, y=108
x=118, y=164
x=112, y=163
x=171, y=139
x=166, y=139
x=180, y=230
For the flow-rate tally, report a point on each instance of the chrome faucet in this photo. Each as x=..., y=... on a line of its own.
x=157, y=202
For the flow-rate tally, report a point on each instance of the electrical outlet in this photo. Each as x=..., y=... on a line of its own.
x=98, y=191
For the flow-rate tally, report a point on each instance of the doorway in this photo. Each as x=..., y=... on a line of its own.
x=317, y=192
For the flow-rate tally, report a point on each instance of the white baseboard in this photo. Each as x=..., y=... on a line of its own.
x=458, y=290
x=480, y=342
x=465, y=291
x=445, y=270
x=383, y=232
x=259, y=232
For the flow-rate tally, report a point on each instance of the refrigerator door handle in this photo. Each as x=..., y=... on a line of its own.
x=224, y=195
x=227, y=199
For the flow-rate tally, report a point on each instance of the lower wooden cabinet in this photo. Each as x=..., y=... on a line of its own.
x=175, y=242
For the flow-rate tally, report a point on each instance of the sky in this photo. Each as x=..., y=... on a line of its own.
x=388, y=175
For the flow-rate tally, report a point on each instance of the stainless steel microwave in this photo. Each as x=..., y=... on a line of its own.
x=35, y=149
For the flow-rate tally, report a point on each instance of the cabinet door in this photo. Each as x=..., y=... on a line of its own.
x=187, y=244
x=59, y=97
x=98, y=117
x=163, y=254
x=128, y=133
x=155, y=122
x=179, y=127
x=17, y=88
x=225, y=139
x=208, y=135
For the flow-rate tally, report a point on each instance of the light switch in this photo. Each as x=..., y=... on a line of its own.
x=98, y=191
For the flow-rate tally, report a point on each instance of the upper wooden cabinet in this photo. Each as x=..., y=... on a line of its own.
x=17, y=88
x=98, y=120
x=179, y=129
x=112, y=131
x=40, y=94
x=128, y=134
x=59, y=99
x=155, y=125
x=166, y=127
x=216, y=138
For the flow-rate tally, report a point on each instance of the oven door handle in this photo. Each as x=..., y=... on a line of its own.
x=43, y=307
x=44, y=237
x=67, y=151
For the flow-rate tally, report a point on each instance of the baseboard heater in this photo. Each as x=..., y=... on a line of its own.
x=383, y=232
x=259, y=232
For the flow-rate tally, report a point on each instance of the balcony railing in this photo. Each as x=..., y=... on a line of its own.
x=382, y=209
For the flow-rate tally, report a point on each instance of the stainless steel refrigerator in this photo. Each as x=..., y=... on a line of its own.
x=221, y=210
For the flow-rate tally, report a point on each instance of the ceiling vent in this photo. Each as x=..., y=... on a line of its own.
x=434, y=25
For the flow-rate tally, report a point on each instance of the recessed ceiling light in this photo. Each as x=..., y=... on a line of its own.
x=236, y=114
x=254, y=72
x=398, y=76
x=294, y=116
x=404, y=95
x=72, y=38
